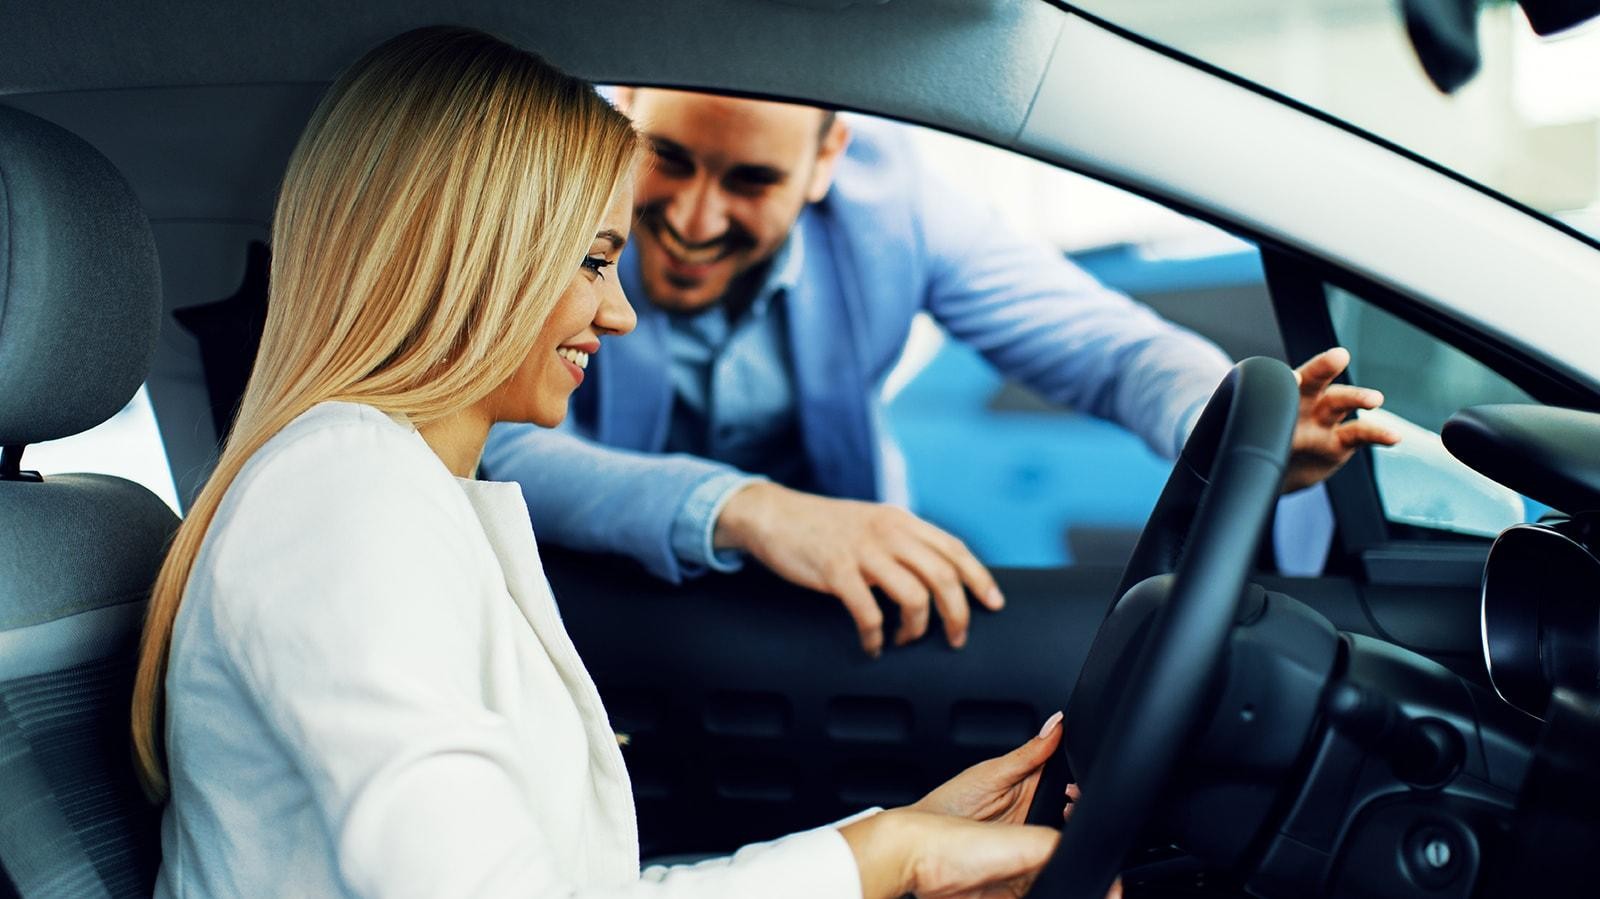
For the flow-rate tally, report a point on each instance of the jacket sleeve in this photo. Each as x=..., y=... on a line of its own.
x=352, y=616
x=1045, y=322
x=596, y=498
x=808, y=846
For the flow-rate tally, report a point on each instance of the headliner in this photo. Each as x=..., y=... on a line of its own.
x=969, y=65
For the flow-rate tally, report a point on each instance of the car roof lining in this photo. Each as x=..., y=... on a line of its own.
x=973, y=65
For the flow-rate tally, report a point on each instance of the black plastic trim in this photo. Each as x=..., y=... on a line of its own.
x=1426, y=563
x=11, y=466
x=1301, y=306
x=1543, y=452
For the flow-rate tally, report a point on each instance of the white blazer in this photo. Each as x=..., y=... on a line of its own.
x=371, y=693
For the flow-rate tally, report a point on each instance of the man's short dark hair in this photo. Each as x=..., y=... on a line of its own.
x=828, y=117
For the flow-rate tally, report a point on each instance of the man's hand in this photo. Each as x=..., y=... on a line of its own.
x=1326, y=436
x=846, y=547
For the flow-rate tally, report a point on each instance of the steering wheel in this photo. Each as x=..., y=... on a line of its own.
x=1146, y=683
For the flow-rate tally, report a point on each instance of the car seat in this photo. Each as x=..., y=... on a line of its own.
x=80, y=307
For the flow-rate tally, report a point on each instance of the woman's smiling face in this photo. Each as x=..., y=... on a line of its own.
x=592, y=305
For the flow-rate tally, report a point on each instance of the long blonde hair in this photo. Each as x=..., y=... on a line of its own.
x=433, y=212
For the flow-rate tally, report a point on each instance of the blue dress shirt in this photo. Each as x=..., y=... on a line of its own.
x=733, y=402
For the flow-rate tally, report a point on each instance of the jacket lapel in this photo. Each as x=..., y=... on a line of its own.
x=824, y=339
x=504, y=515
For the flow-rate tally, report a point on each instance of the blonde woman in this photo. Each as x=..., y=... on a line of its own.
x=354, y=680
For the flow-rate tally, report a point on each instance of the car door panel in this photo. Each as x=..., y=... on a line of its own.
x=751, y=710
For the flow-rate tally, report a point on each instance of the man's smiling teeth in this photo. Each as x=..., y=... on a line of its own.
x=576, y=357
x=697, y=257
x=687, y=256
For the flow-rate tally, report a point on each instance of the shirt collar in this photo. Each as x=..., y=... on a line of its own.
x=784, y=272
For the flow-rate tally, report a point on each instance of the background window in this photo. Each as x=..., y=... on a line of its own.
x=127, y=445
x=1023, y=482
x=1424, y=382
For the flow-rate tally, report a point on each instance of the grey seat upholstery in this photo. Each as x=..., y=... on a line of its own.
x=80, y=305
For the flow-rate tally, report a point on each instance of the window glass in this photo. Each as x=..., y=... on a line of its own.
x=1424, y=382
x=127, y=445
x=1023, y=482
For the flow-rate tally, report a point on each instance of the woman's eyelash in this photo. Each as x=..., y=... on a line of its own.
x=597, y=264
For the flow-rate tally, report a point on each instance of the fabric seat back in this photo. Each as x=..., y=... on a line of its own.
x=80, y=306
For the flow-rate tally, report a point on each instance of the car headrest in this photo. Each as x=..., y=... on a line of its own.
x=80, y=286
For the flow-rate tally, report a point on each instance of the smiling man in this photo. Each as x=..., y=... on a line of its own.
x=777, y=264
x=721, y=199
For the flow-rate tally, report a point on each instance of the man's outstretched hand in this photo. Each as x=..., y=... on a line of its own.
x=1326, y=436
x=846, y=547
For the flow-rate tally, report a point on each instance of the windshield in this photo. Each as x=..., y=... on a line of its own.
x=1528, y=125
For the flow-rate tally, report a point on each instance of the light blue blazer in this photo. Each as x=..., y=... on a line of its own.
x=889, y=241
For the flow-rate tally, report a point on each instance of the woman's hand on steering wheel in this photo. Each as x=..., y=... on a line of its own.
x=1001, y=789
x=962, y=841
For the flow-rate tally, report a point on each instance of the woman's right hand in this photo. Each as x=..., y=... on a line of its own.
x=1000, y=789
x=936, y=856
